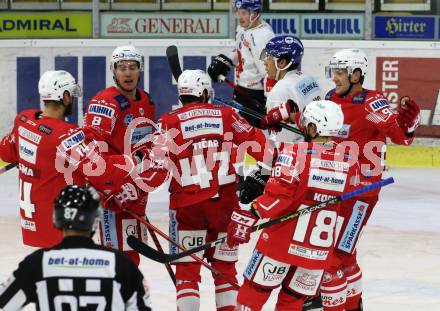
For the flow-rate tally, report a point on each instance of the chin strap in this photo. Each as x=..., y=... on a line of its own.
x=251, y=21
x=277, y=76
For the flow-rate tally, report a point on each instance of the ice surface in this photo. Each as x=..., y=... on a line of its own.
x=399, y=254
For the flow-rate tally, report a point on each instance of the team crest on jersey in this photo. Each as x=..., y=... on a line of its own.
x=360, y=98
x=123, y=102
x=128, y=118
x=102, y=110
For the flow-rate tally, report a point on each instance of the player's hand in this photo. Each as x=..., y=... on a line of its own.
x=220, y=65
x=253, y=186
x=279, y=113
x=409, y=114
x=239, y=229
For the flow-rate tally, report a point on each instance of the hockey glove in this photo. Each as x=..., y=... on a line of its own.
x=279, y=113
x=409, y=115
x=220, y=65
x=239, y=229
x=253, y=99
x=253, y=186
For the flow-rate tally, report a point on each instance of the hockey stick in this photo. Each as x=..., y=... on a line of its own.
x=165, y=258
x=173, y=61
x=138, y=246
x=176, y=70
x=254, y=113
x=7, y=167
x=160, y=249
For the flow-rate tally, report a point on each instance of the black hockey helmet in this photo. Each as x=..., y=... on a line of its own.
x=76, y=208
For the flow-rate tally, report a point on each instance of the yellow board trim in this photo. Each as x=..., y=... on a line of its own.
x=413, y=156
x=400, y=156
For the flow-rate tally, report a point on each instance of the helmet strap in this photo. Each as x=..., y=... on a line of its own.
x=277, y=76
x=252, y=20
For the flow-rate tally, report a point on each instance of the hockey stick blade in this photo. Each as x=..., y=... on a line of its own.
x=7, y=167
x=173, y=61
x=146, y=250
x=155, y=255
x=165, y=258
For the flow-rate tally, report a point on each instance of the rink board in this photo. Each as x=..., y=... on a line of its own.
x=23, y=61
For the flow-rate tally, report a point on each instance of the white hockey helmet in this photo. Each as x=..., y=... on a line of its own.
x=349, y=59
x=54, y=83
x=194, y=82
x=127, y=52
x=326, y=115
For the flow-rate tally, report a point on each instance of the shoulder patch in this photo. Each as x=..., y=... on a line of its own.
x=329, y=94
x=123, y=102
x=360, y=98
x=45, y=129
x=23, y=118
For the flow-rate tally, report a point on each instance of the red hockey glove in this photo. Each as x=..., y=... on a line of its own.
x=279, y=113
x=409, y=115
x=239, y=229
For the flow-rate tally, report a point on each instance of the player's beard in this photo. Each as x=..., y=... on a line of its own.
x=69, y=109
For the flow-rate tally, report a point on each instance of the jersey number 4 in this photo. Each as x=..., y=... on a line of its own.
x=200, y=173
x=25, y=198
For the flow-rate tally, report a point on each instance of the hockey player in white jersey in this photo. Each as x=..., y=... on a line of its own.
x=294, y=89
x=252, y=35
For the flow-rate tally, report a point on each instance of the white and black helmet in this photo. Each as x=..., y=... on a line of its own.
x=194, y=83
x=54, y=83
x=349, y=59
x=127, y=52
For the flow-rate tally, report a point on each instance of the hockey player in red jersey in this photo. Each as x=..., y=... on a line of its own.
x=295, y=253
x=52, y=153
x=204, y=183
x=121, y=116
x=369, y=120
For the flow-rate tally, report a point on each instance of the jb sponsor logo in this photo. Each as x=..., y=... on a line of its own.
x=272, y=272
